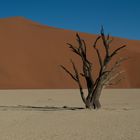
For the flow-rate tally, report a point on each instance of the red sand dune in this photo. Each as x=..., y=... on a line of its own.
x=30, y=55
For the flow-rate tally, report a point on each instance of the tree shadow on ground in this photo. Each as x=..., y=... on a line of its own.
x=39, y=108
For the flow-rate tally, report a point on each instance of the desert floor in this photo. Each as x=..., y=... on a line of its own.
x=57, y=115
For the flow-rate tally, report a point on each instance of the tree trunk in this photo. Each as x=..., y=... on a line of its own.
x=93, y=105
x=96, y=95
x=96, y=104
x=93, y=102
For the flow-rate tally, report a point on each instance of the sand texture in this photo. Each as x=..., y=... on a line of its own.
x=30, y=55
x=59, y=115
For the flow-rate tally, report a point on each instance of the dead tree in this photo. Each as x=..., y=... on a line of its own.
x=105, y=75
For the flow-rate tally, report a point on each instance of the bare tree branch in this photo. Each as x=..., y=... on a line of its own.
x=79, y=39
x=109, y=41
x=108, y=37
x=85, y=47
x=97, y=51
x=95, y=43
x=118, y=49
x=75, y=70
x=111, y=78
x=67, y=71
x=74, y=49
x=115, y=82
x=78, y=81
x=112, y=71
x=82, y=46
x=99, y=58
x=104, y=42
x=118, y=63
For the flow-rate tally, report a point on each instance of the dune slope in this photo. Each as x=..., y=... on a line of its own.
x=30, y=55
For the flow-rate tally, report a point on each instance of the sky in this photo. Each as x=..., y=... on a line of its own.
x=119, y=17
